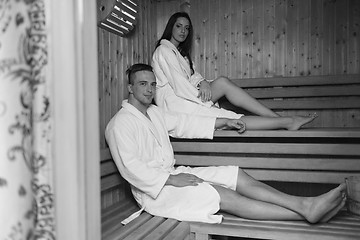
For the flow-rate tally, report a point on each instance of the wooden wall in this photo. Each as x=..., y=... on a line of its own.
x=239, y=39
x=256, y=38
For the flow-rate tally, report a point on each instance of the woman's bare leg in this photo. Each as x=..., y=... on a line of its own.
x=266, y=123
x=237, y=96
x=313, y=209
x=245, y=207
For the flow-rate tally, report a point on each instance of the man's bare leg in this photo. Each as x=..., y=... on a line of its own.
x=313, y=209
x=333, y=212
x=234, y=203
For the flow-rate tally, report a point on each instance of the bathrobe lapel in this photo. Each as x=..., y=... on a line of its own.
x=183, y=63
x=143, y=119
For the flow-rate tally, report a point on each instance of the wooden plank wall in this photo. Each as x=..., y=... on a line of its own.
x=239, y=39
x=256, y=38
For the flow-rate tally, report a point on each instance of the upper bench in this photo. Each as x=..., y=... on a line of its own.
x=335, y=98
x=325, y=151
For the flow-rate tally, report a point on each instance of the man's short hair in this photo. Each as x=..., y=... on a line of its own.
x=137, y=68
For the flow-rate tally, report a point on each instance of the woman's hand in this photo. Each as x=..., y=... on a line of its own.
x=225, y=123
x=183, y=180
x=236, y=124
x=204, y=91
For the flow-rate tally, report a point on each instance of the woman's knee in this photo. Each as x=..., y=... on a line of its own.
x=222, y=80
x=223, y=83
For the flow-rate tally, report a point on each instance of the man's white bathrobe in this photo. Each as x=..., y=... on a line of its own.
x=176, y=88
x=143, y=153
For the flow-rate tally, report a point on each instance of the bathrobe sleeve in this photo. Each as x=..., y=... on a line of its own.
x=188, y=126
x=123, y=143
x=196, y=77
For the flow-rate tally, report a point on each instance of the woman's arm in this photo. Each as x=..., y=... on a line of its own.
x=225, y=123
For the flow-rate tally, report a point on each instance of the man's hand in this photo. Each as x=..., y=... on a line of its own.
x=183, y=180
x=204, y=91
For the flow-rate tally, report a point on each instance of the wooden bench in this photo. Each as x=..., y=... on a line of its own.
x=336, y=99
x=343, y=227
x=314, y=155
x=146, y=226
x=122, y=204
x=311, y=155
x=308, y=155
x=326, y=152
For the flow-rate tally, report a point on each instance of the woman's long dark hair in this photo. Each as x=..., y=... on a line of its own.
x=184, y=47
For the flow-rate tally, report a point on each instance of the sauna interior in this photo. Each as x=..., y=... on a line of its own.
x=241, y=39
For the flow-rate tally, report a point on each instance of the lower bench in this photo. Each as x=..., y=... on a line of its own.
x=343, y=226
x=313, y=155
x=321, y=155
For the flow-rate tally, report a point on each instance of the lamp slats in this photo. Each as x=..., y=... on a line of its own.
x=120, y=17
x=120, y=23
x=110, y=28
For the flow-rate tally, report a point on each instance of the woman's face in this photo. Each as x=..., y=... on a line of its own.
x=180, y=31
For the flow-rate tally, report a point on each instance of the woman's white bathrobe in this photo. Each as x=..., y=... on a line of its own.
x=144, y=156
x=177, y=88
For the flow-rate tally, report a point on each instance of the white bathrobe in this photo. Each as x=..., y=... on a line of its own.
x=177, y=88
x=144, y=156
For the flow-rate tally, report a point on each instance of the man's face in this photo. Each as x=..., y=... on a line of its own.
x=143, y=87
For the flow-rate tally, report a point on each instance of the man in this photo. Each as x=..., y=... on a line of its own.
x=138, y=137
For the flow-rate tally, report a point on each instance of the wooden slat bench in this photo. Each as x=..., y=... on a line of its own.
x=325, y=152
x=322, y=152
x=343, y=227
x=336, y=99
x=308, y=155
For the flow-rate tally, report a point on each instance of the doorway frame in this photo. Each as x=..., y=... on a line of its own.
x=73, y=69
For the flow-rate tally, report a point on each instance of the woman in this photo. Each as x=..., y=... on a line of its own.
x=180, y=88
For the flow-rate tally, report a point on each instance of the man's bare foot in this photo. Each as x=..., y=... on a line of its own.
x=333, y=212
x=318, y=207
x=299, y=121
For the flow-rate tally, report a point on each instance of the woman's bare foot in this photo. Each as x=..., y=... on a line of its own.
x=319, y=207
x=299, y=121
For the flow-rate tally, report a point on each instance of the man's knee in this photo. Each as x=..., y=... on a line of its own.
x=227, y=196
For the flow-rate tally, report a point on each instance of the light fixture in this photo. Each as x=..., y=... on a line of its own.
x=118, y=16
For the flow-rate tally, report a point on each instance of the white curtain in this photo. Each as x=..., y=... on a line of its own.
x=26, y=188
